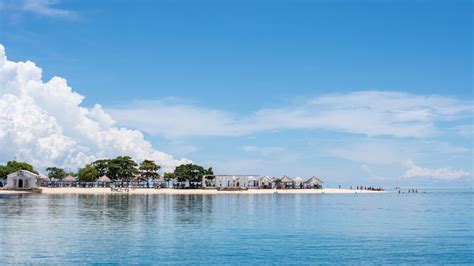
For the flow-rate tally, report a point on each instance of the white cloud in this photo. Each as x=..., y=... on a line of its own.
x=371, y=113
x=414, y=171
x=44, y=123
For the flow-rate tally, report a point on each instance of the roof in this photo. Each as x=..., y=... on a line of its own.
x=104, y=179
x=22, y=173
x=286, y=179
x=69, y=178
x=314, y=180
x=43, y=177
x=265, y=178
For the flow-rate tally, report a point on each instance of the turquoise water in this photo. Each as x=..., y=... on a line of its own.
x=434, y=228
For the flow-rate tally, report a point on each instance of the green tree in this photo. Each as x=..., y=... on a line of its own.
x=149, y=169
x=123, y=167
x=56, y=173
x=13, y=166
x=191, y=172
x=3, y=172
x=169, y=176
x=102, y=167
x=88, y=173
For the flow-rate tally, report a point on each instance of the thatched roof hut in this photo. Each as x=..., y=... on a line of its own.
x=42, y=177
x=104, y=179
x=314, y=181
x=265, y=181
x=286, y=179
x=69, y=178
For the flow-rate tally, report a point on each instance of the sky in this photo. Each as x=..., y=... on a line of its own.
x=355, y=92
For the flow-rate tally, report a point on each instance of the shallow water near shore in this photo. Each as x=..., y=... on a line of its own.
x=434, y=227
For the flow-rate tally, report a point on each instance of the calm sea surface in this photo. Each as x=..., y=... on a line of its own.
x=433, y=227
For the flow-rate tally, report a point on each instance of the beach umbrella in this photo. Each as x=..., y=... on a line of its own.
x=69, y=178
x=104, y=179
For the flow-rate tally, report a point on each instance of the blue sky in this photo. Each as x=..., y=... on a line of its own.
x=255, y=86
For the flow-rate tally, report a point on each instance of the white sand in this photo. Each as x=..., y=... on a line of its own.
x=75, y=190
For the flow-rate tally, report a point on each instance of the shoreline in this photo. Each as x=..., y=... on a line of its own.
x=171, y=191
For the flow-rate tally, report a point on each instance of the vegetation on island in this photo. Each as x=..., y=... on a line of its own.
x=56, y=173
x=120, y=169
x=13, y=166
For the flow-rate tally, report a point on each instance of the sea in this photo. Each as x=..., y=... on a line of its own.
x=428, y=227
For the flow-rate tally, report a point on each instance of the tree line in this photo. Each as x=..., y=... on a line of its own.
x=121, y=168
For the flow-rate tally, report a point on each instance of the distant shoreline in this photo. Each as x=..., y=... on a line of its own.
x=170, y=191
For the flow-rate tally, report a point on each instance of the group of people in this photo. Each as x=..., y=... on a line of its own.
x=411, y=190
x=367, y=188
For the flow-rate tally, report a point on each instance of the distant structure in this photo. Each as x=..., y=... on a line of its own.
x=21, y=179
x=230, y=181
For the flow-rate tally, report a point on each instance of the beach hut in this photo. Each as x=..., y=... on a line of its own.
x=299, y=182
x=313, y=182
x=104, y=179
x=287, y=182
x=68, y=180
x=21, y=179
x=265, y=182
x=42, y=180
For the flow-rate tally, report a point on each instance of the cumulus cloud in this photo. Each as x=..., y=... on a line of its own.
x=44, y=123
x=414, y=171
x=371, y=113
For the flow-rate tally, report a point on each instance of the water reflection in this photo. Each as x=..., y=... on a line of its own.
x=218, y=229
x=192, y=209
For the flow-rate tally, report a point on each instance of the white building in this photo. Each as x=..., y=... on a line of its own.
x=21, y=180
x=230, y=181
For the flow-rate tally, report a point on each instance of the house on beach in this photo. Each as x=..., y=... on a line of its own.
x=22, y=179
x=313, y=182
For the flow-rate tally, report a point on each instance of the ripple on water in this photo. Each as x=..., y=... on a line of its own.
x=428, y=228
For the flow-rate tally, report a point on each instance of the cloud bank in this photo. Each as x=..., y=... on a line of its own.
x=448, y=174
x=371, y=113
x=45, y=124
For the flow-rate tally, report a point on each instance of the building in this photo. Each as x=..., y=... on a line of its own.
x=286, y=182
x=230, y=181
x=265, y=182
x=313, y=182
x=21, y=179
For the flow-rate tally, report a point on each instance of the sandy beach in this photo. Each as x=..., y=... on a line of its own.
x=74, y=190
